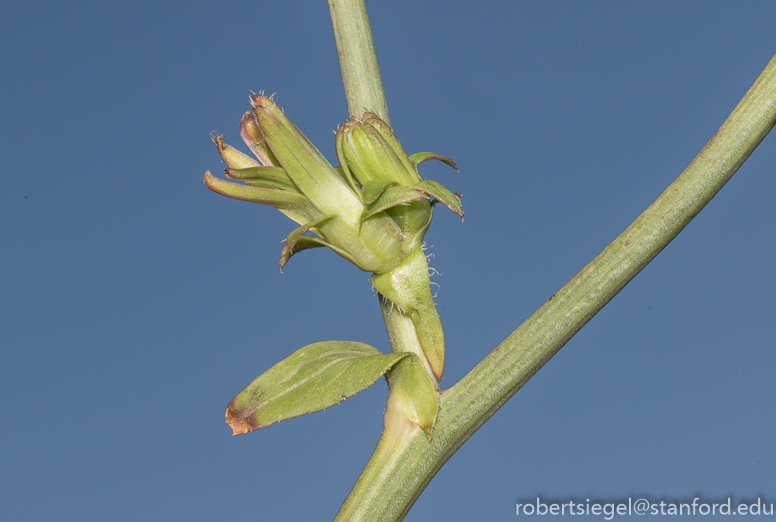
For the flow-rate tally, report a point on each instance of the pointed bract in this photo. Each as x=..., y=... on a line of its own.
x=231, y=156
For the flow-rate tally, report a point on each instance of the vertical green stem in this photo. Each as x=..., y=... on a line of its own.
x=368, y=495
x=402, y=333
x=367, y=499
x=358, y=59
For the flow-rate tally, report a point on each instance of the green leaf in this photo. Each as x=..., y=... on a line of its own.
x=392, y=197
x=311, y=379
x=420, y=157
x=441, y=194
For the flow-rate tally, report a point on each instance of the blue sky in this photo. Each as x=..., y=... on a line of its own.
x=134, y=303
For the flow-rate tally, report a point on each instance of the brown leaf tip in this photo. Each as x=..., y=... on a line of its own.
x=238, y=424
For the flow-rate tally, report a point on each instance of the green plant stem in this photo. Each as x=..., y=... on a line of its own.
x=402, y=334
x=358, y=59
x=399, y=430
x=399, y=471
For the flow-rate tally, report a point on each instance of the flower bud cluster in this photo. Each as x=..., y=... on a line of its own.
x=373, y=210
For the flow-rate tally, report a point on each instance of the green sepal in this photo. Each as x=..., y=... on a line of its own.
x=420, y=157
x=441, y=194
x=266, y=177
x=373, y=188
x=413, y=395
x=295, y=206
x=408, y=287
x=311, y=379
x=392, y=197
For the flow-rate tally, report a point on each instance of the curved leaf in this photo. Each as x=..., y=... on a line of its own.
x=311, y=379
x=442, y=194
x=294, y=205
x=297, y=241
x=267, y=177
x=420, y=157
x=392, y=197
x=302, y=243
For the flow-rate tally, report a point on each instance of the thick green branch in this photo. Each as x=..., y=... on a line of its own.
x=358, y=59
x=395, y=484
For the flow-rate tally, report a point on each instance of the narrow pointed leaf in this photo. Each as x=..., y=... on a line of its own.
x=441, y=194
x=297, y=241
x=311, y=379
x=302, y=243
x=420, y=157
x=391, y=197
x=294, y=236
x=274, y=177
x=327, y=226
x=295, y=206
x=308, y=242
